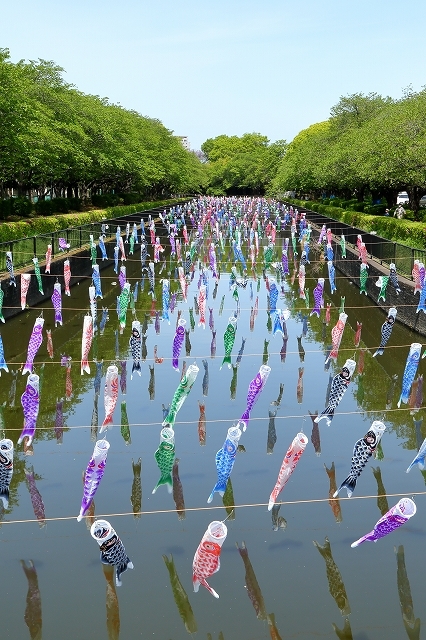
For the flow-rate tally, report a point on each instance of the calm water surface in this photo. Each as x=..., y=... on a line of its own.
x=309, y=593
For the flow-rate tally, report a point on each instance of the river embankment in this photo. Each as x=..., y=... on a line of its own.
x=381, y=253
x=78, y=255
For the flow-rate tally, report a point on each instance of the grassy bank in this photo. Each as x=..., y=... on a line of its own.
x=412, y=234
x=41, y=225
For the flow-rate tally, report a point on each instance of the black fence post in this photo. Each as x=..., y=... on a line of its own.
x=35, y=245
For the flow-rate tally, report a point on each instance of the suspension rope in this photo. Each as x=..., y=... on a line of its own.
x=215, y=508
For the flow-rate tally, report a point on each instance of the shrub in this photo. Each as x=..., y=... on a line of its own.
x=75, y=204
x=6, y=208
x=21, y=207
x=131, y=198
x=359, y=206
x=42, y=225
x=60, y=205
x=347, y=203
x=44, y=207
x=105, y=200
x=404, y=231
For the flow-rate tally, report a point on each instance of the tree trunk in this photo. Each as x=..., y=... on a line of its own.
x=390, y=195
x=414, y=195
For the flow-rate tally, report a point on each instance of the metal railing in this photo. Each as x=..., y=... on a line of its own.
x=383, y=250
x=25, y=249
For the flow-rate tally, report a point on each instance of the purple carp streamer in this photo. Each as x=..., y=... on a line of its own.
x=34, y=344
x=255, y=389
x=57, y=303
x=393, y=519
x=93, y=475
x=30, y=401
x=178, y=342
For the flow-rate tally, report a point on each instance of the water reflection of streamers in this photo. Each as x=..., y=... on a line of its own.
x=112, y=606
x=180, y=597
x=335, y=581
x=124, y=424
x=278, y=522
x=333, y=502
x=202, y=424
x=345, y=633
x=178, y=491
x=35, y=495
x=382, y=501
x=272, y=434
x=234, y=382
x=94, y=423
x=136, y=495
x=229, y=501
x=32, y=616
x=274, y=633
x=411, y=623
x=252, y=585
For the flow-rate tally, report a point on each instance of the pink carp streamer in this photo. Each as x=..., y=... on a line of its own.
x=110, y=396
x=254, y=391
x=48, y=258
x=67, y=277
x=86, y=343
x=207, y=556
x=25, y=283
x=336, y=336
x=289, y=463
x=393, y=519
x=93, y=476
x=182, y=280
x=202, y=305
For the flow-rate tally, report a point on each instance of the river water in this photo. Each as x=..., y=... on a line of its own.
x=283, y=576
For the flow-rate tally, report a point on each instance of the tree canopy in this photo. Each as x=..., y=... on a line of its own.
x=241, y=165
x=54, y=138
x=369, y=144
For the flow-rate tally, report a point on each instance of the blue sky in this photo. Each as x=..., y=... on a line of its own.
x=207, y=68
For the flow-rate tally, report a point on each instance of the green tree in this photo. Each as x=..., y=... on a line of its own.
x=245, y=164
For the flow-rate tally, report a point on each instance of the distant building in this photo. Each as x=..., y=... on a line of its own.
x=184, y=142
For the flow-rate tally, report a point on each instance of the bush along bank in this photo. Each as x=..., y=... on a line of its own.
x=41, y=225
x=412, y=234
